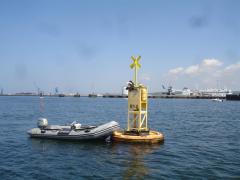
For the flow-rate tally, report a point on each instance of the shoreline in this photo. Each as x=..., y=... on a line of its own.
x=125, y=96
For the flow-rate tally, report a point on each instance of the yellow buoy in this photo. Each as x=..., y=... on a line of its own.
x=151, y=137
x=137, y=126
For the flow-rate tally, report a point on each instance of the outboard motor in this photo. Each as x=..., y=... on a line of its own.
x=42, y=123
x=75, y=125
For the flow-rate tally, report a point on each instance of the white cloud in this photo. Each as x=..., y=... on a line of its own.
x=176, y=70
x=211, y=62
x=232, y=67
x=192, y=69
x=204, y=66
x=207, y=74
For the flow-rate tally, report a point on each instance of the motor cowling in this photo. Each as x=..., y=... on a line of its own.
x=76, y=126
x=42, y=123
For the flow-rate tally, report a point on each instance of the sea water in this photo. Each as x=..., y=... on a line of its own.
x=202, y=140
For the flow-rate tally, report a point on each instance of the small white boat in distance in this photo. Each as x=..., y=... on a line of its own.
x=217, y=100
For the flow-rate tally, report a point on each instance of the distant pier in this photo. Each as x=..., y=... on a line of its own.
x=169, y=97
x=122, y=96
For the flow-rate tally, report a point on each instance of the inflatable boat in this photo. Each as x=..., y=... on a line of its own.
x=74, y=131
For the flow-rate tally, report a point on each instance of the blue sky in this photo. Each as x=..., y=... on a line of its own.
x=86, y=46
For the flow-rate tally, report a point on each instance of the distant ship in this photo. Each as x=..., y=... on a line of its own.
x=205, y=92
x=95, y=95
x=170, y=91
x=92, y=95
x=41, y=94
x=217, y=100
x=76, y=95
x=216, y=92
x=61, y=95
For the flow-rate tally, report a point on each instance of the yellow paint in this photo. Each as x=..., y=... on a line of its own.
x=152, y=137
x=136, y=66
x=137, y=109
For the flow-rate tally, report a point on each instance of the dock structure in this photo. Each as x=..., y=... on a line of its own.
x=114, y=96
x=124, y=96
x=233, y=97
x=167, y=96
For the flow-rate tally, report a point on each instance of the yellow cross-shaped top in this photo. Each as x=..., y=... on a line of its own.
x=136, y=66
x=135, y=62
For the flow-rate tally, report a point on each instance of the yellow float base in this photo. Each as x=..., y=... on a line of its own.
x=152, y=137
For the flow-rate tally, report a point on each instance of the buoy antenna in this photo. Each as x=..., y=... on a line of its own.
x=136, y=66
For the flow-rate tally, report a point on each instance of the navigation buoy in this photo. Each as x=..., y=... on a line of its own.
x=137, y=124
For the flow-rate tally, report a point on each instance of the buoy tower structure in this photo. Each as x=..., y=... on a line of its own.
x=137, y=120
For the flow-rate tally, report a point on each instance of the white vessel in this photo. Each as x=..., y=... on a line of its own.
x=217, y=100
x=215, y=92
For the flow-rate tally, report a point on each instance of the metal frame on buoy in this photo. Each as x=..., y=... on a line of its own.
x=137, y=102
x=137, y=125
